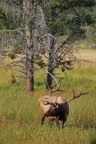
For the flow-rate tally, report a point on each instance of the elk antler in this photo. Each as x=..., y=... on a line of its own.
x=77, y=96
x=48, y=102
x=50, y=89
x=58, y=86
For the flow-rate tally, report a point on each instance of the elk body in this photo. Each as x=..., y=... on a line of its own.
x=56, y=108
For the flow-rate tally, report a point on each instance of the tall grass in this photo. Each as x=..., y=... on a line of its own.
x=20, y=118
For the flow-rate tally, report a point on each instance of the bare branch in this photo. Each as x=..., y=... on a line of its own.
x=67, y=40
x=21, y=77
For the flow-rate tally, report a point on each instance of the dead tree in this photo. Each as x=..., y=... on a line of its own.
x=32, y=28
x=28, y=7
x=60, y=55
x=50, y=63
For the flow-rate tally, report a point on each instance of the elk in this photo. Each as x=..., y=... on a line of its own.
x=56, y=108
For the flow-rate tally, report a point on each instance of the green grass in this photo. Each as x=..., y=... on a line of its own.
x=20, y=118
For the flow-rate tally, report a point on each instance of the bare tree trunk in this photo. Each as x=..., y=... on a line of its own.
x=51, y=64
x=29, y=73
x=28, y=6
x=30, y=80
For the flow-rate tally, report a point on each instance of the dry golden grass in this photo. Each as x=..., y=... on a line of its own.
x=87, y=54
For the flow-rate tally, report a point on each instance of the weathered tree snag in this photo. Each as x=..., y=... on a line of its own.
x=30, y=75
x=51, y=64
x=29, y=11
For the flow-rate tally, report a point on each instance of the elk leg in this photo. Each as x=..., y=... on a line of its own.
x=57, y=122
x=42, y=120
x=65, y=118
x=51, y=122
x=63, y=124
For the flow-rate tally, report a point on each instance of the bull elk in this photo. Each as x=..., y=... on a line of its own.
x=56, y=108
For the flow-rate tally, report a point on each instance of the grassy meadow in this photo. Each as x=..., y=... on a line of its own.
x=19, y=114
